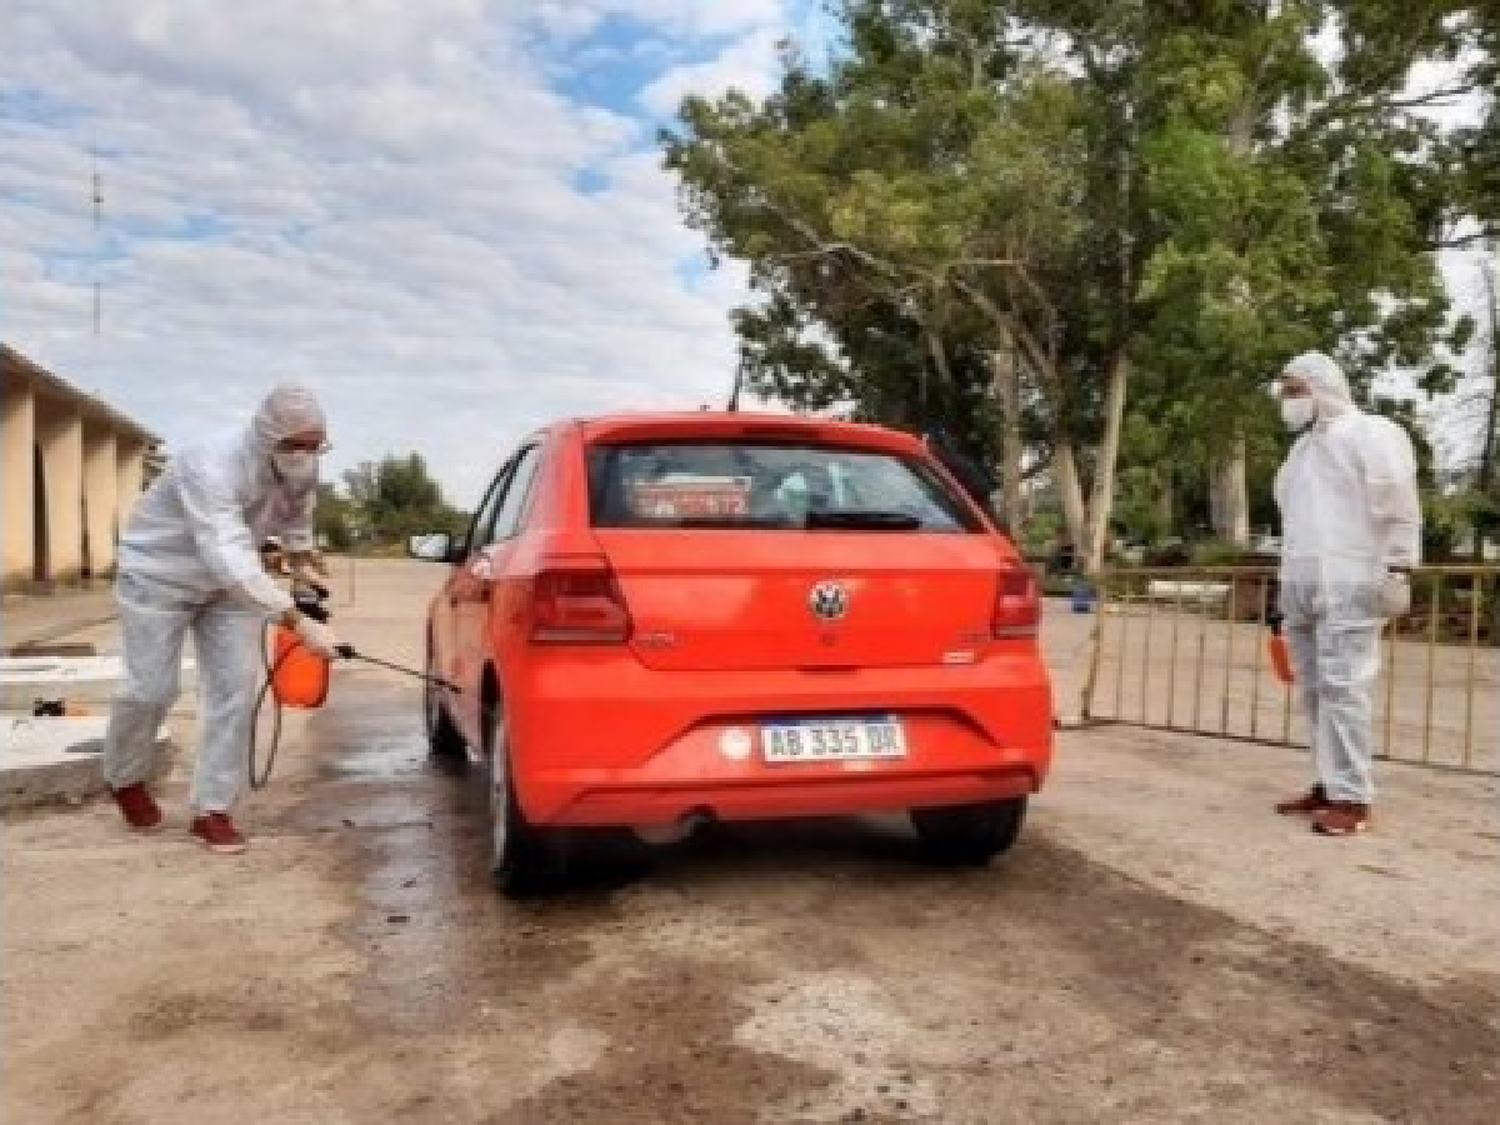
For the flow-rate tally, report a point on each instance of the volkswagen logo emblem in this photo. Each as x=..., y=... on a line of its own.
x=829, y=600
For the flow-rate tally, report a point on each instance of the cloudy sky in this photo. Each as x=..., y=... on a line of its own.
x=448, y=216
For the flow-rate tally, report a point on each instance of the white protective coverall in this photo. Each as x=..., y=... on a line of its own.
x=1350, y=511
x=189, y=560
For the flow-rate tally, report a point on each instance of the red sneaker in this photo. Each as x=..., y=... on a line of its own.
x=1343, y=818
x=1315, y=800
x=218, y=833
x=140, y=809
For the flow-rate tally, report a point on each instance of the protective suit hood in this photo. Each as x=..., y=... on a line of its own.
x=1326, y=380
x=289, y=409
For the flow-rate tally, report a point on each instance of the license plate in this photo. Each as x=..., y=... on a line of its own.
x=831, y=740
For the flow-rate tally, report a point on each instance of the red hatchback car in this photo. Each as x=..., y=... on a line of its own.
x=657, y=620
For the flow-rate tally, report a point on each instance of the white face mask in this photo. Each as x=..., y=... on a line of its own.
x=1298, y=413
x=296, y=466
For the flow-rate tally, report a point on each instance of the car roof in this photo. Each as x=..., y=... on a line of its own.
x=742, y=425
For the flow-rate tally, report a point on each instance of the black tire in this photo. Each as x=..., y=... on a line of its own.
x=527, y=861
x=969, y=835
x=443, y=740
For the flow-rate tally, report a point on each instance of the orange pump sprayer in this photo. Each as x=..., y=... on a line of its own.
x=1281, y=657
x=299, y=676
x=296, y=677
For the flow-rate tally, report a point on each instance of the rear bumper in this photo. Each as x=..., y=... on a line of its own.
x=598, y=742
x=582, y=801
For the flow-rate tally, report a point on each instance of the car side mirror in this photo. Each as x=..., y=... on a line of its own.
x=435, y=546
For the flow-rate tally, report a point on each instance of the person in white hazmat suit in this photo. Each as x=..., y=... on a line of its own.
x=189, y=560
x=1351, y=534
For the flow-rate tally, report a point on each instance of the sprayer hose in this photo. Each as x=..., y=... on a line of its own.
x=259, y=778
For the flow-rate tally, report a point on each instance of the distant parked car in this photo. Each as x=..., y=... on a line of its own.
x=1266, y=545
x=659, y=620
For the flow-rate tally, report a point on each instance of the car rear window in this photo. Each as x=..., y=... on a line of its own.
x=772, y=486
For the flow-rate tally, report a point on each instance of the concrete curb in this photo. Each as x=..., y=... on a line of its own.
x=89, y=681
x=58, y=632
x=55, y=761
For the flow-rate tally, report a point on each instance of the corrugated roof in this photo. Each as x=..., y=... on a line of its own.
x=14, y=365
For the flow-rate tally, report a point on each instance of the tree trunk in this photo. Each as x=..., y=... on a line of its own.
x=1229, y=494
x=1166, y=510
x=939, y=356
x=1070, y=489
x=1487, y=456
x=1486, y=481
x=1238, y=493
x=1216, y=495
x=1230, y=502
x=1006, y=375
x=1101, y=503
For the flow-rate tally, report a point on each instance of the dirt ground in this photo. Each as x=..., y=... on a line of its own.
x=1158, y=948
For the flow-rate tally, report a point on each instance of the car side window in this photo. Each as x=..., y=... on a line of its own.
x=484, y=515
x=512, y=506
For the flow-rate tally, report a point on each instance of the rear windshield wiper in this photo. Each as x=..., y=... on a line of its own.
x=868, y=520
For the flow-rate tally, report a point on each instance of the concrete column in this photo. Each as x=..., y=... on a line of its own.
x=59, y=431
x=101, y=496
x=18, y=492
x=130, y=474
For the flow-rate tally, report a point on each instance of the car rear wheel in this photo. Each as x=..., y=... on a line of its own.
x=443, y=739
x=527, y=860
x=969, y=835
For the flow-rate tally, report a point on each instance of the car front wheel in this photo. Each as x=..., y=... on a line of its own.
x=969, y=835
x=443, y=739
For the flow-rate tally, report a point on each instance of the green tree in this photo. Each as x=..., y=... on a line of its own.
x=891, y=214
x=335, y=525
x=1012, y=213
x=394, y=498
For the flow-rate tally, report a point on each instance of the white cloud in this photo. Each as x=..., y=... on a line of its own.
x=745, y=64
x=574, y=19
x=378, y=197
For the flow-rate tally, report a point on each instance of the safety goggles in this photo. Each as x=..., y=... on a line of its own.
x=295, y=445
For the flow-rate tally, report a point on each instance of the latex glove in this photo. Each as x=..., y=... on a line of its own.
x=318, y=637
x=308, y=567
x=274, y=560
x=1395, y=595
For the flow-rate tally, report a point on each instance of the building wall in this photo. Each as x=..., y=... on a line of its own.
x=18, y=491
x=101, y=498
x=130, y=471
x=70, y=470
x=59, y=435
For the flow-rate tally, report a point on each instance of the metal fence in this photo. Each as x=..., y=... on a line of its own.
x=1187, y=649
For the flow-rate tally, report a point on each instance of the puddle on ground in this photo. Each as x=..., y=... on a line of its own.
x=441, y=945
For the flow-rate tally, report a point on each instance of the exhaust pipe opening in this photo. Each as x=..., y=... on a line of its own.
x=675, y=831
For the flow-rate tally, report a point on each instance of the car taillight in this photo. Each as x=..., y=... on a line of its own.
x=1018, y=609
x=578, y=606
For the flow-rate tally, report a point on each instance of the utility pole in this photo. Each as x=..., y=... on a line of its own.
x=98, y=201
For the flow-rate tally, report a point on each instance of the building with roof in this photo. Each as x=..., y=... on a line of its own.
x=72, y=467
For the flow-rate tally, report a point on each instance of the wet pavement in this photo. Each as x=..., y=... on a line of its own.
x=1126, y=961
